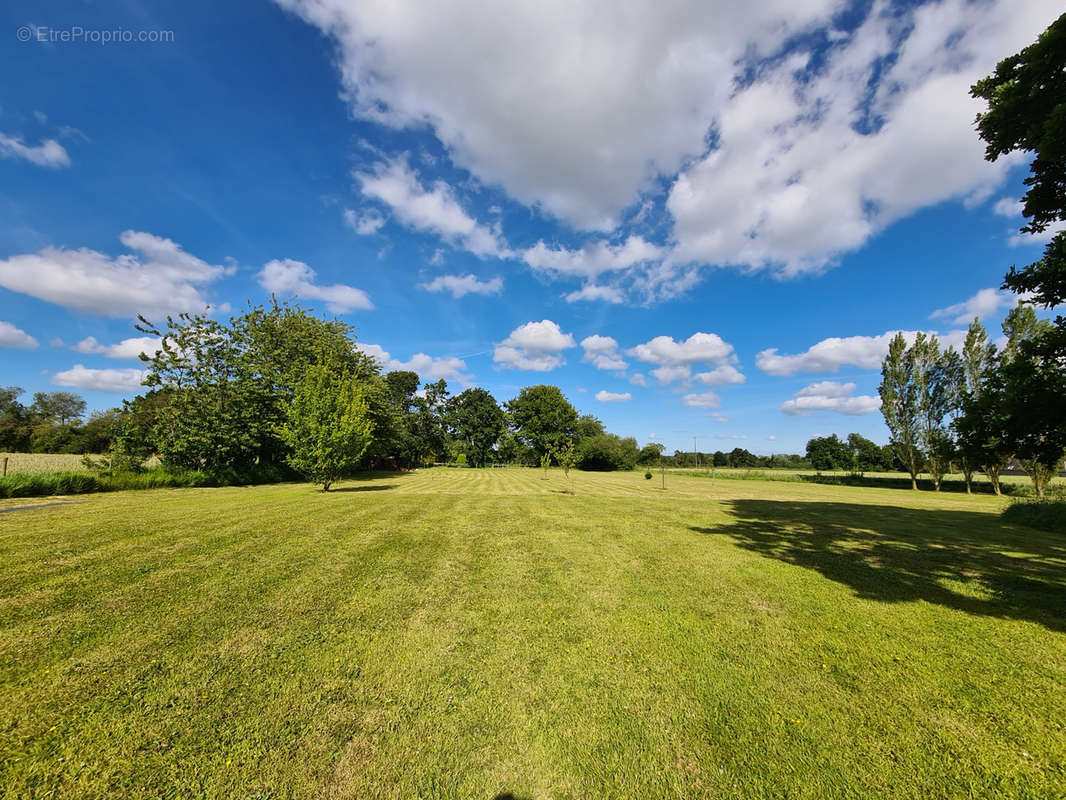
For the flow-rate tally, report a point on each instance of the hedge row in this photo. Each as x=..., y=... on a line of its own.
x=1047, y=515
x=43, y=484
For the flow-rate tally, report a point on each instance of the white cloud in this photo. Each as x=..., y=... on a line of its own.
x=826, y=389
x=127, y=348
x=120, y=381
x=638, y=379
x=708, y=348
x=720, y=376
x=986, y=303
x=718, y=417
x=731, y=436
x=602, y=352
x=828, y=355
x=771, y=437
x=1011, y=208
x=10, y=336
x=805, y=163
x=163, y=279
x=427, y=367
x=613, y=397
x=364, y=224
x=675, y=358
x=665, y=375
x=809, y=167
x=592, y=260
x=534, y=346
x=48, y=153
x=435, y=209
x=1008, y=207
x=615, y=99
x=702, y=400
x=289, y=277
x=460, y=285
x=830, y=396
x=606, y=294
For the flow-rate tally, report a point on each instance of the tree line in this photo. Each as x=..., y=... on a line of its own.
x=53, y=422
x=978, y=409
x=277, y=386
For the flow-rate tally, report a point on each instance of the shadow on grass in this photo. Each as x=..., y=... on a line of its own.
x=958, y=559
x=374, y=487
x=953, y=485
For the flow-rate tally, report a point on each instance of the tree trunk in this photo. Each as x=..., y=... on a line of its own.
x=326, y=485
x=993, y=476
x=914, y=482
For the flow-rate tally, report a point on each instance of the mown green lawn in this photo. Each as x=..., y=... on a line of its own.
x=469, y=634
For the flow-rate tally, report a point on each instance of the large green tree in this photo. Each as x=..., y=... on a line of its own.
x=542, y=418
x=1026, y=96
x=1033, y=385
x=478, y=422
x=220, y=389
x=900, y=392
x=60, y=407
x=327, y=424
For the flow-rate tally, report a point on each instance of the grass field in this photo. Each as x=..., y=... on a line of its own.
x=474, y=634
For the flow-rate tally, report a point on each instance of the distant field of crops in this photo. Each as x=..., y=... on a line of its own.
x=24, y=463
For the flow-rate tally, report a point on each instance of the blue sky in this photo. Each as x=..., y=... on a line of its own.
x=695, y=220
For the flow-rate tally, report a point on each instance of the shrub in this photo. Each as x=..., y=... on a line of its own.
x=605, y=451
x=647, y=476
x=1046, y=515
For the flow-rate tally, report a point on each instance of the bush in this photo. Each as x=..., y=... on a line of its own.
x=647, y=476
x=604, y=452
x=1047, y=515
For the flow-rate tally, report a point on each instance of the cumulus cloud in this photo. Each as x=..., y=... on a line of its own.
x=364, y=224
x=460, y=285
x=434, y=209
x=592, y=292
x=592, y=260
x=427, y=367
x=161, y=279
x=702, y=400
x=48, y=153
x=830, y=136
x=638, y=379
x=294, y=278
x=602, y=352
x=126, y=349
x=675, y=358
x=708, y=348
x=986, y=303
x=828, y=355
x=720, y=376
x=10, y=336
x=830, y=396
x=613, y=397
x=809, y=166
x=119, y=381
x=648, y=82
x=534, y=346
